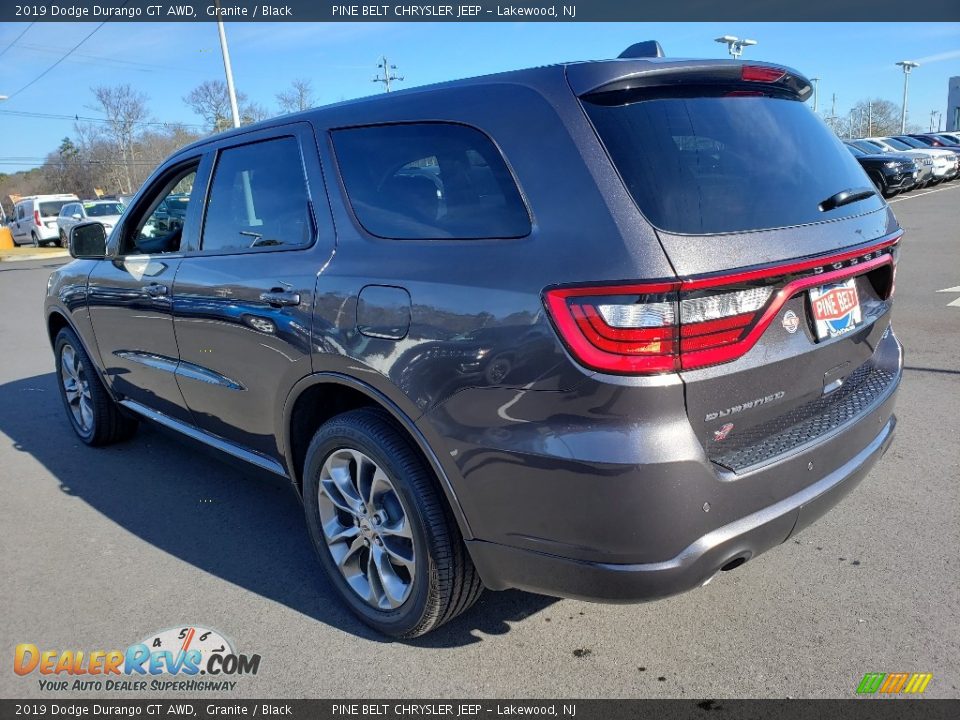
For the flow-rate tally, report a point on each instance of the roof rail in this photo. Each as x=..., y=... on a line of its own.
x=645, y=49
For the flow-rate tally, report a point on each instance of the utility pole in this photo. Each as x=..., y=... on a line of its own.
x=908, y=66
x=870, y=118
x=816, y=93
x=228, y=70
x=388, y=75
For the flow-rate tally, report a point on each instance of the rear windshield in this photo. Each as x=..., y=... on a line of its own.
x=103, y=209
x=52, y=208
x=715, y=163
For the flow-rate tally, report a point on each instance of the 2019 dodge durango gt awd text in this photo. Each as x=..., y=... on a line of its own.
x=596, y=330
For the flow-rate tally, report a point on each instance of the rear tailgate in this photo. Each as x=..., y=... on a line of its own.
x=768, y=222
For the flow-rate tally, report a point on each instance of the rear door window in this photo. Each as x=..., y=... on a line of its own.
x=258, y=198
x=429, y=181
x=718, y=163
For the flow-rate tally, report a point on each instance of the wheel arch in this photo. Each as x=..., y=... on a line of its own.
x=320, y=396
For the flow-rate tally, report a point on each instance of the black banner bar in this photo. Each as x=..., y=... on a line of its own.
x=204, y=709
x=476, y=11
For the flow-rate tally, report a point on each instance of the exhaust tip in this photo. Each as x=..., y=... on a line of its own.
x=734, y=564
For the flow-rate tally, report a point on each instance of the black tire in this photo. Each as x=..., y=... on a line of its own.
x=105, y=423
x=63, y=240
x=444, y=583
x=34, y=240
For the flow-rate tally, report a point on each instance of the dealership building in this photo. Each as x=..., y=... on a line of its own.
x=953, y=104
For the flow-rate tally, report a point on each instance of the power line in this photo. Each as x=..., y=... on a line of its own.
x=64, y=57
x=16, y=38
x=86, y=118
x=103, y=60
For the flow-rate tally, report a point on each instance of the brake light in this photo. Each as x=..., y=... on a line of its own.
x=651, y=328
x=760, y=73
x=36, y=217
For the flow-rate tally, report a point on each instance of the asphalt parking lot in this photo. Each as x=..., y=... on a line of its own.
x=101, y=548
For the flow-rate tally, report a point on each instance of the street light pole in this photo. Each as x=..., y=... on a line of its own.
x=908, y=66
x=734, y=44
x=231, y=91
x=816, y=93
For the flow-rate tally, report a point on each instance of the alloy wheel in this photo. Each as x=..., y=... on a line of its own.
x=366, y=529
x=76, y=388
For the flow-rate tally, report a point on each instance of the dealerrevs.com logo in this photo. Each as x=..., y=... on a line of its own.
x=189, y=658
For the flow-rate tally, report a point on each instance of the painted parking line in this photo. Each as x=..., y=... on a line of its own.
x=913, y=195
x=954, y=303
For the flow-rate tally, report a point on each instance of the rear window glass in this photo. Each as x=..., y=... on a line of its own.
x=52, y=208
x=715, y=164
x=430, y=181
x=103, y=209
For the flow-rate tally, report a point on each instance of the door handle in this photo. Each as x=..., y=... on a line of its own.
x=279, y=297
x=156, y=290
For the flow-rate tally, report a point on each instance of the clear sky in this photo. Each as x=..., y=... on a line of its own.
x=855, y=61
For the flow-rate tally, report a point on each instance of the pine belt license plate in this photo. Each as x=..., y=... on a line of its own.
x=836, y=308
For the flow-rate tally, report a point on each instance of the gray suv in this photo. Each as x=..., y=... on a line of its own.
x=596, y=330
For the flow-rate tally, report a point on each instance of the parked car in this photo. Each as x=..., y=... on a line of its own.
x=937, y=140
x=922, y=142
x=924, y=160
x=623, y=338
x=106, y=212
x=944, y=161
x=34, y=219
x=890, y=173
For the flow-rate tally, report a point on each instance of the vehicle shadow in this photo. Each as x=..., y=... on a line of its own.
x=171, y=494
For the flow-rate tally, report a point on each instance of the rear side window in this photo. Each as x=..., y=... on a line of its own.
x=429, y=181
x=258, y=198
x=715, y=163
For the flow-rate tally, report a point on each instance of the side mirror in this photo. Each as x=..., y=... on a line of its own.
x=88, y=241
x=77, y=216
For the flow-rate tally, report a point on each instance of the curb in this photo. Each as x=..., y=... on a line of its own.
x=5, y=257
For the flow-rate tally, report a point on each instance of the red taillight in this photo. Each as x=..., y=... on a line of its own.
x=651, y=328
x=627, y=329
x=36, y=217
x=761, y=73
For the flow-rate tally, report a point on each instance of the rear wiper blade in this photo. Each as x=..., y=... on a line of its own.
x=845, y=197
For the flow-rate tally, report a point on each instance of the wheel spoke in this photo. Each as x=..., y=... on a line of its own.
x=394, y=589
x=399, y=552
x=379, y=485
x=86, y=413
x=334, y=531
x=349, y=552
x=341, y=483
x=397, y=528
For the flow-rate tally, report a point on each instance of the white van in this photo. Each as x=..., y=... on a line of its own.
x=34, y=220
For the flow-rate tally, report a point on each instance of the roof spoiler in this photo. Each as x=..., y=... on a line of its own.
x=645, y=49
x=593, y=81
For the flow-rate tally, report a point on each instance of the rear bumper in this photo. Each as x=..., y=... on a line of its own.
x=503, y=566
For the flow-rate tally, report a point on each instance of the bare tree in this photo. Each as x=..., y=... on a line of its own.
x=125, y=109
x=211, y=101
x=298, y=97
x=877, y=117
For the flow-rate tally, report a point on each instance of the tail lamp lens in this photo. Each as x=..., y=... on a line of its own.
x=653, y=328
x=762, y=73
x=36, y=218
